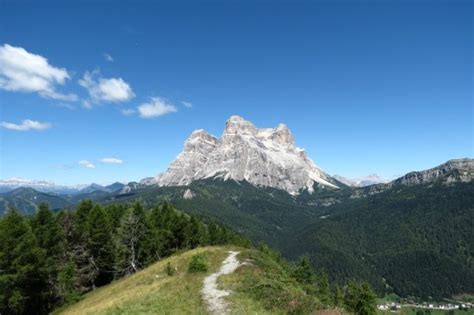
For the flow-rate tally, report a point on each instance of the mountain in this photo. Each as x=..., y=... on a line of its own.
x=457, y=170
x=99, y=188
x=412, y=240
x=114, y=187
x=91, y=188
x=266, y=157
x=374, y=233
x=361, y=181
x=453, y=171
x=28, y=199
x=7, y=185
x=39, y=185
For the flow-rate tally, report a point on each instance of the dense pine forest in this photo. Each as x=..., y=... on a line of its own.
x=410, y=240
x=50, y=259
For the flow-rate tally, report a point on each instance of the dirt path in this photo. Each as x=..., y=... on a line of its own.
x=211, y=294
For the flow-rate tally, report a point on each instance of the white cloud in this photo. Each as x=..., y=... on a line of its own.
x=111, y=160
x=110, y=90
x=155, y=108
x=108, y=57
x=86, y=164
x=23, y=71
x=25, y=125
x=187, y=104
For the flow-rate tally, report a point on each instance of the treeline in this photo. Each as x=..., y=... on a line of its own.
x=47, y=260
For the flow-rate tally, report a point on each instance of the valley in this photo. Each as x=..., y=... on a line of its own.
x=391, y=234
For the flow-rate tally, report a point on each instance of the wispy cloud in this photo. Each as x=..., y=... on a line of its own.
x=108, y=57
x=86, y=164
x=111, y=160
x=128, y=111
x=22, y=71
x=156, y=107
x=187, y=104
x=25, y=125
x=105, y=90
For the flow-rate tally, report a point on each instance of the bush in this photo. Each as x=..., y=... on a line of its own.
x=197, y=264
x=169, y=269
x=360, y=299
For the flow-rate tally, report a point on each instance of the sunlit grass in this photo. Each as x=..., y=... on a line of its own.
x=152, y=291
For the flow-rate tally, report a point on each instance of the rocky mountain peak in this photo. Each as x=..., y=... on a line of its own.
x=236, y=125
x=262, y=156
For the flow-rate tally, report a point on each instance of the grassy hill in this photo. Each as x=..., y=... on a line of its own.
x=260, y=286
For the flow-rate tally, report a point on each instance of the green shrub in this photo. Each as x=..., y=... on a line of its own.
x=197, y=264
x=169, y=269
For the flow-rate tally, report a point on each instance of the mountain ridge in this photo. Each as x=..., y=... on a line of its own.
x=262, y=156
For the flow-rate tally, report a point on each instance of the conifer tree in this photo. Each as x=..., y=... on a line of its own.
x=23, y=285
x=49, y=238
x=131, y=252
x=100, y=245
x=323, y=290
x=338, y=296
x=360, y=299
x=303, y=272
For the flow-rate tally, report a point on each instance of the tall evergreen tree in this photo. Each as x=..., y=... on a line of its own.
x=360, y=299
x=23, y=283
x=322, y=288
x=100, y=245
x=49, y=238
x=303, y=272
x=131, y=250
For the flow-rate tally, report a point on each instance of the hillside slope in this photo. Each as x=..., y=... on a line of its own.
x=153, y=291
x=28, y=199
x=262, y=214
x=404, y=235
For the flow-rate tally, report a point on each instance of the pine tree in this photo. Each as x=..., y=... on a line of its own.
x=131, y=252
x=195, y=233
x=100, y=246
x=360, y=299
x=82, y=213
x=23, y=283
x=323, y=290
x=338, y=296
x=303, y=272
x=214, y=234
x=66, y=284
x=49, y=238
x=75, y=257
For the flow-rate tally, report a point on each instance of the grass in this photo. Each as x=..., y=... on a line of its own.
x=152, y=291
x=263, y=286
x=260, y=286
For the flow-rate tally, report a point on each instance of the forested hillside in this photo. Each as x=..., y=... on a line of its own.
x=411, y=240
x=50, y=259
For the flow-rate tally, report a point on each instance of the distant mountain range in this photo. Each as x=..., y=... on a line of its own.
x=361, y=181
x=256, y=181
x=11, y=184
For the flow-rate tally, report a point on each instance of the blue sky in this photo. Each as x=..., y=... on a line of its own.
x=365, y=86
